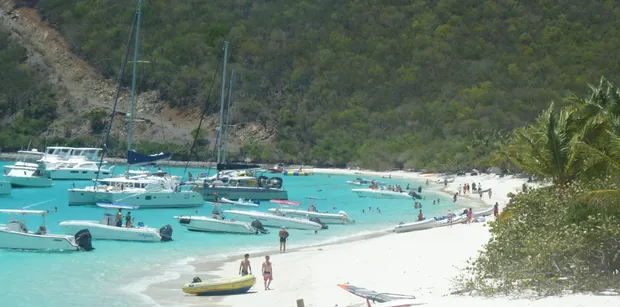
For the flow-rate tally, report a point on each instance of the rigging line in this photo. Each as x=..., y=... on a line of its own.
x=204, y=111
x=118, y=92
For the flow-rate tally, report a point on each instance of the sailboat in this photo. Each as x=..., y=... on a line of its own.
x=159, y=190
x=261, y=188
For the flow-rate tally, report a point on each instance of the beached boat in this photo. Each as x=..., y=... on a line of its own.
x=15, y=235
x=485, y=212
x=443, y=221
x=228, y=286
x=418, y=225
x=5, y=188
x=380, y=193
x=107, y=229
x=240, y=202
x=273, y=219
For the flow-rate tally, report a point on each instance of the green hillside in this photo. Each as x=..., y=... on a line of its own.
x=427, y=84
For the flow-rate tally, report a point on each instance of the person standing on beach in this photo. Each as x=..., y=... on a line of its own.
x=245, y=268
x=449, y=218
x=470, y=215
x=283, y=237
x=490, y=193
x=460, y=187
x=267, y=272
x=495, y=209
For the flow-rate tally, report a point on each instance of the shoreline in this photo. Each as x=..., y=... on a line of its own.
x=168, y=292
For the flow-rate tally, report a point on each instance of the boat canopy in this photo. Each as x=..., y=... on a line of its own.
x=23, y=212
x=285, y=202
x=117, y=206
x=235, y=166
x=134, y=158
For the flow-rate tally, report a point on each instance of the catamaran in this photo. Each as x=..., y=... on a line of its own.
x=158, y=190
x=15, y=235
x=107, y=229
x=259, y=188
x=324, y=217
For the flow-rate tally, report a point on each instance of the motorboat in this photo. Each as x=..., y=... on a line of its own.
x=418, y=225
x=239, y=202
x=26, y=174
x=364, y=182
x=229, y=286
x=443, y=221
x=382, y=193
x=485, y=212
x=275, y=219
x=277, y=169
x=311, y=214
x=217, y=222
x=85, y=170
x=246, y=187
x=15, y=235
x=5, y=187
x=108, y=228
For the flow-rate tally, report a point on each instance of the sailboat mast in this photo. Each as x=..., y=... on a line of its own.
x=227, y=129
x=133, y=80
x=222, y=96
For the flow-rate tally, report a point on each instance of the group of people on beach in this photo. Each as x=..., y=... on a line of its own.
x=467, y=188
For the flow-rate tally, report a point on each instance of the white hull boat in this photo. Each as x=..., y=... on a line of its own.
x=143, y=199
x=79, y=171
x=273, y=220
x=485, y=212
x=111, y=232
x=455, y=220
x=379, y=193
x=15, y=235
x=27, y=175
x=419, y=225
x=5, y=188
x=327, y=218
x=210, y=224
x=209, y=193
x=240, y=202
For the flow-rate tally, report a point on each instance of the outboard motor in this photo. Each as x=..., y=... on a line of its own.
x=415, y=195
x=262, y=181
x=166, y=233
x=196, y=280
x=83, y=240
x=275, y=182
x=317, y=220
x=259, y=227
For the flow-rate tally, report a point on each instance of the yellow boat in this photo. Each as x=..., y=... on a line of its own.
x=228, y=286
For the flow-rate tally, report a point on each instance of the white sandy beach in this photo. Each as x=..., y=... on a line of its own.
x=422, y=263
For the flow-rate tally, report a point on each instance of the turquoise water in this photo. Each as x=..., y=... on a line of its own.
x=111, y=275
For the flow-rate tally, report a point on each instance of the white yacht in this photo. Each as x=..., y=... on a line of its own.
x=108, y=228
x=5, y=187
x=84, y=170
x=218, y=223
x=15, y=235
x=275, y=219
x=382, y=193
x=27, y=174
x=240, y=202
x=311, y=214
x=146, y=192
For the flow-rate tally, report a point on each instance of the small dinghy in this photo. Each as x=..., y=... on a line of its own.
x=419, y=225
x=227, y=286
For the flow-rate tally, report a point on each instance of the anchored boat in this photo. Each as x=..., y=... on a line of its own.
x=109, y=229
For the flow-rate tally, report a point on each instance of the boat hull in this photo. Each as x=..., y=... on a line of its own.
x=104, y=232
x=420, y=225
x=5, y=188
x=270, y=220
x=145, y=200
x=382, y=194
x=221, y=287
x=207, y=224
x=209, y=193
x=29, y=182
x=455, y=220
x=69, y=174
x=30, y=241
x=326, y=218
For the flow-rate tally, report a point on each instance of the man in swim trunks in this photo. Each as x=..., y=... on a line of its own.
x=245, y=268
x=283, y=236
x=267, y=273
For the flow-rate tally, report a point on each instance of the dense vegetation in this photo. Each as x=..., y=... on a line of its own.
x=433, y=84
x=25, y=97
x=565, y=236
